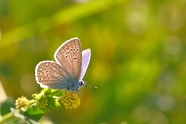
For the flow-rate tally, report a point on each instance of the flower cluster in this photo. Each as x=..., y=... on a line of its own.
x=48, y=99
x=70, y=100
x=22, y=104
x=41, y=102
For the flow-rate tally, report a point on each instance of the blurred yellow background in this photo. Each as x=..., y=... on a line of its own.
x=138, y=59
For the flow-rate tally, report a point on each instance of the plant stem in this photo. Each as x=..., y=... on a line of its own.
x=6, y=117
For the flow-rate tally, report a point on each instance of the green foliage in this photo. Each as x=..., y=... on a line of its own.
x=32, y=116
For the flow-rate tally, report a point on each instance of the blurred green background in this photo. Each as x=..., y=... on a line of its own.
x=138, y=57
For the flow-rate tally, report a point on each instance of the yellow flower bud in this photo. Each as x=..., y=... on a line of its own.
x=41, y=102
x=22, y=104
x=70, y=100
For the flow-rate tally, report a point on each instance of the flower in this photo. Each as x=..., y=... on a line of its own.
x=22, y=104
x=41, y=101
x=70, y=100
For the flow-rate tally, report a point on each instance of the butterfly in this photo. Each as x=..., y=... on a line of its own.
x=69, y=69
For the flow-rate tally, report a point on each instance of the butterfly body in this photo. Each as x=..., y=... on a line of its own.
x=70, y=85
x=68, y=70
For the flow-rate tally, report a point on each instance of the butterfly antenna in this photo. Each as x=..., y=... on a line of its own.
x=86, y=83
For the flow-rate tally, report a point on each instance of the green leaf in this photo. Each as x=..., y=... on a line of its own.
x=34, y=111
x=32, y=116
x=54, y=102
x=5, y=106
x=56, y=92
x=52, y=92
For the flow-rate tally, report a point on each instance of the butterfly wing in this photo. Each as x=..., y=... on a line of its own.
x=69, y=56
x=49, y=74
x=85, y=61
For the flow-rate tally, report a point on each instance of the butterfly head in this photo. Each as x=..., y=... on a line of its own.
x=75, y=86
x=81, y=84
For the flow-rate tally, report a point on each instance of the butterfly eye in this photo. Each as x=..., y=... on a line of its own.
x=81, y=83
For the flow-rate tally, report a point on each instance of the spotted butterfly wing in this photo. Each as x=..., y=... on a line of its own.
x=69, y=56
x=65, y=73
x=49, y=74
